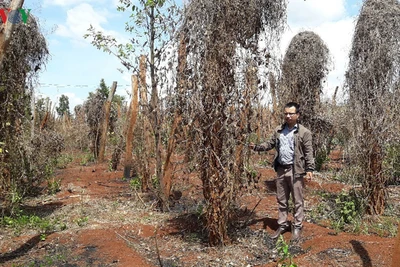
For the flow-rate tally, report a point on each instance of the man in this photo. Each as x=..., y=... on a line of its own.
x=293, y=162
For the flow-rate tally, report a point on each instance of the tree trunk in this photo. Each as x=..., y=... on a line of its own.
x=104, y=125
x=5, y=35
x=134, y=108
x=142, y=75
x=218, y=180
x=154, y=101
x=375, y=182
x=116, y=156
x=374, y=177
x=147, y=139
x=166, y=182
x=216, y=187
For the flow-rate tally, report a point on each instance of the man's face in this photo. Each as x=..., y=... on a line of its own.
x=290, y=115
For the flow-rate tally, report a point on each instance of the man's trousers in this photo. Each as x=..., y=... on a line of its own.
x=287, y=184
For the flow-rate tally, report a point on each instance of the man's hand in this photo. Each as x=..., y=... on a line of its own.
x=309, y=176
x=251, y=145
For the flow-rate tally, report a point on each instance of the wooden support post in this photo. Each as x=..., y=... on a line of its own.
x=104, y=125
x=148, y=143
x=44, y=121
x=334, y=96
x=166, y=182
x=131, y=126
x=166, y=178
x=142, y=73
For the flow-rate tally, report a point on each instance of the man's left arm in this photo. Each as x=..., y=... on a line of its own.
x=308, y=155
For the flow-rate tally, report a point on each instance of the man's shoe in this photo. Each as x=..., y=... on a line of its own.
x=296, y=234
x=280, y=231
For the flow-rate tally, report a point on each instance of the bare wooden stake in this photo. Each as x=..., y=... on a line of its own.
x=104, y=126
x=44, y=121
x=335, y=95
x=142, y=73
x=148, y=143
x=166, y=178
x=131, y=126
x=166, y=182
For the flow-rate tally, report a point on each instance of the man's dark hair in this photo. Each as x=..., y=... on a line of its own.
x=293, y=104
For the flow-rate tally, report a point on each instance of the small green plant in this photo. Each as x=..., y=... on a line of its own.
x=15, y=199
x=63, y=161
x=20, y=221
x=155, y=181
x=43, y=237
x=82, y=221
x=62, y=226
x=264, y=163
x=286, y=258
x=343, y=211
x=321, y=158
x=87, y=158
x=49, y=169
x=315, y=214
x=199, y=210
x=110, y=165
x=346, y=207
x=251, y=173
x=53, y=186
x=384, y=226
x=135, y=183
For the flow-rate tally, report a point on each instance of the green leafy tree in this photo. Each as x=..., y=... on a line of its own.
x=95, y=114
x=63, y=106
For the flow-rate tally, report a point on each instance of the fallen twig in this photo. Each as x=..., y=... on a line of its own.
x=252, y=211
x=158, y=251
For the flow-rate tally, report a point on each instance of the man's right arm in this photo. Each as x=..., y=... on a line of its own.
x=270, y=144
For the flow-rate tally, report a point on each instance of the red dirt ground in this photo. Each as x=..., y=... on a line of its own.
x=113, y=231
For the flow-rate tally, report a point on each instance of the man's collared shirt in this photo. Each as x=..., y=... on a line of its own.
x=286, y=147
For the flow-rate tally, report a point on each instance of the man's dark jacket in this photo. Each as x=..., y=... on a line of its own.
x=303, y=151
